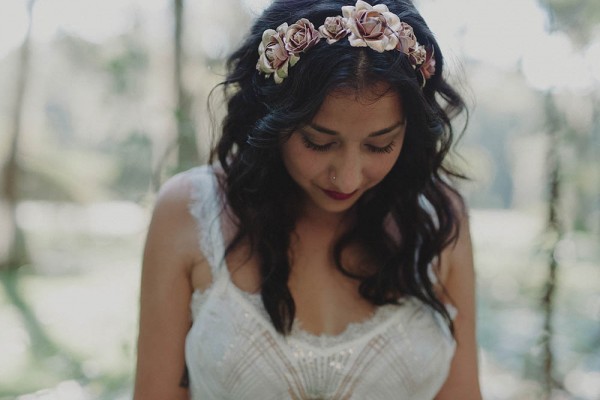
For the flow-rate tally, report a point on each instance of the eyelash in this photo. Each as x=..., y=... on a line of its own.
x=374, y=149
x=314, y=146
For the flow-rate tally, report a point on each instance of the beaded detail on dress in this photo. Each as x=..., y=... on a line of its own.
x=234, y=353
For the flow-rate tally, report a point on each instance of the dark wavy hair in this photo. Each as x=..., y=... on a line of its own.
x=415, y=195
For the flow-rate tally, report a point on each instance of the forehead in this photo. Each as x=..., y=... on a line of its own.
x=366, y=110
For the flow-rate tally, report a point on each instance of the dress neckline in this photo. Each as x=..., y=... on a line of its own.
x=353, y=332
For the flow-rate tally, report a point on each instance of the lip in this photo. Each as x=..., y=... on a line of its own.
x=337, y=195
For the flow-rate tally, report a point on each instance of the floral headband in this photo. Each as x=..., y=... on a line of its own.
x=367, y=26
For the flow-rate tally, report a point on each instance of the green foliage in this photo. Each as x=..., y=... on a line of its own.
x=576, y=17
x=124, y=68
x=80, y=52
x=134, y=166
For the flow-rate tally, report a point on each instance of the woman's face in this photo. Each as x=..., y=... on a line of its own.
x=349, y=147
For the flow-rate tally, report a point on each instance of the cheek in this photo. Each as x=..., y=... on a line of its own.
x=381, y=167
x=301, y=163
x=389, y=162
x=385, y=167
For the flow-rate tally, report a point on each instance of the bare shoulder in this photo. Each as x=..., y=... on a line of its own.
x=172, y=223
x=174, y=195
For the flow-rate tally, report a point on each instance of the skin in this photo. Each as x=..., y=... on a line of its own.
x=354, y=137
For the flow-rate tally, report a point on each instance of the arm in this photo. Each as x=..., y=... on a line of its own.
x=165, y=295
x=459, y=280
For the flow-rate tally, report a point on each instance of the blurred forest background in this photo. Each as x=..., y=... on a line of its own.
x=103, y=100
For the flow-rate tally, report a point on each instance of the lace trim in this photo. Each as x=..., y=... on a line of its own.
x=205, y=207
x=353, y=331
x=198, y=300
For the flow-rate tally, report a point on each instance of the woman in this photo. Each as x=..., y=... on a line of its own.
x=326, y=254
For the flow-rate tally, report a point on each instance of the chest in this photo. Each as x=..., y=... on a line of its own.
x=401, y=353
x=326, y=300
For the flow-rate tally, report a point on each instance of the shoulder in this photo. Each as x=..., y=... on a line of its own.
x=180, y=187
x=173, y=224
x=175, y=192
x=178, y=192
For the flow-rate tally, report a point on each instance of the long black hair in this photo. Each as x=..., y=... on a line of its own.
x=414, y=196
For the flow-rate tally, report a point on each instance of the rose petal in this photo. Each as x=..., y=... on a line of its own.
x=377, y=45
x=347, y=11
x=301, y=36
x=382, y=8
x=282, y=28
x=293, y=60
x=392, y=20
x=369, y=27
x=392, y=42
x=267, y=35
x=333, y=29
x=356, y=41
x=362, y=5
x=265, y=66
x=280, y=74
x=419, y=55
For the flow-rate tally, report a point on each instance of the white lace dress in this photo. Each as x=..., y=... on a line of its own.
x=233, y=352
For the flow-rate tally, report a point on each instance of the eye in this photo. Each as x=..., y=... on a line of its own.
x=380, y=150
x=314, y=146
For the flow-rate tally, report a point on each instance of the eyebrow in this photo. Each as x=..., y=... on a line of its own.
x=372, y=134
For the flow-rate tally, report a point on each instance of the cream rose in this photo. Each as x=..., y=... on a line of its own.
x=274, y=58
x=301, y=36
x=372, y=26
x=333, y=29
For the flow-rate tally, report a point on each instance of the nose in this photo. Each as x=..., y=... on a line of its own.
x=348, y=171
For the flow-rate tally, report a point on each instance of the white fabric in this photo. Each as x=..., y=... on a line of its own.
x=234, y=353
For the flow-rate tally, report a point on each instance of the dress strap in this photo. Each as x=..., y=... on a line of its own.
x=206, y=206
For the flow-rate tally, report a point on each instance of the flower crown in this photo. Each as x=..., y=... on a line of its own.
x=367, y=26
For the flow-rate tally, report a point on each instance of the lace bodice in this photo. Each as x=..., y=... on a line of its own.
x=233, y=351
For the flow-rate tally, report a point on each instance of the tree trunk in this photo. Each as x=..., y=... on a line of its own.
x=555, y=232
x=17, y=251
x=187, y=155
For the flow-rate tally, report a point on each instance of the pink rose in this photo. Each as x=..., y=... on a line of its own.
x=333, y=29
x=418, y=56
x=407, y=41
x=371, y=26
x=428, y=67
x=273, y=55
x=301, y=36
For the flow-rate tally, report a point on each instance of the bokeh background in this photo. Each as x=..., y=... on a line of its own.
x=103, y=100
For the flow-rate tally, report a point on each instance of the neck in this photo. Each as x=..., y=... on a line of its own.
x=317, y=220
